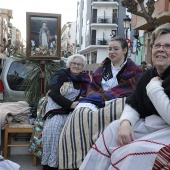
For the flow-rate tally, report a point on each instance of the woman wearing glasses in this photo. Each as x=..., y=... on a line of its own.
x=67, y=86
x=144, y=126
x=112, y=82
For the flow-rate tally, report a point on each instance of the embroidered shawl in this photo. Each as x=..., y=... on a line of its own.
x=64, y=75
x=127, y=78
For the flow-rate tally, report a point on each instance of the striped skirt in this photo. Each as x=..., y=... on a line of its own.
x=151, y=134
x=82, y=130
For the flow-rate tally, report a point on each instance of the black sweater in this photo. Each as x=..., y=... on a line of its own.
x=139, y=99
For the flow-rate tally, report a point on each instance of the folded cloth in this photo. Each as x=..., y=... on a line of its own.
x=94, y=99
x=108, y=102
x=11, y=110
x=93, y=107
x=8, y=165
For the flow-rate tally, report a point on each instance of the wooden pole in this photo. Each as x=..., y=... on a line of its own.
x=42, y=78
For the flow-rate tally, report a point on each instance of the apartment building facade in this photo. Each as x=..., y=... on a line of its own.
x=5, y=31
x=68, y=39
x=10, y=37
x=97, y=22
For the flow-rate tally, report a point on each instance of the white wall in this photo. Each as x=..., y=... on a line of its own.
x=84, y=24
x=101, y=54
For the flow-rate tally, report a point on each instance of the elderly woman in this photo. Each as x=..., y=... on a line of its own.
x=67, y=86
x=144, y=127
x=112, y=81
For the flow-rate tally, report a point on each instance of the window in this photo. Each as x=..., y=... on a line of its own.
x=91, y=72
x=88, y=59
x=83, y=4
x=17, y=72
x=81, y=39
x=94, y=57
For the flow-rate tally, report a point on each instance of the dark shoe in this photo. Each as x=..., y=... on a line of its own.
x=46, y=167
x=52, y=168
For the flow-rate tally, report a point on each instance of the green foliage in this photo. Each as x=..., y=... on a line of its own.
x=18, y=54
x=33, y=79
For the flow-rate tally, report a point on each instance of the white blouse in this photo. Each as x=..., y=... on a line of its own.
x=109, y=84
x=160, y=100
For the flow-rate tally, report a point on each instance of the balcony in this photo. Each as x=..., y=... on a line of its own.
x=104, y=1
x=6, y=13
x=105, y=20
x=100, y=41
x=9, y=35
x=108, y=3
x=10, y=25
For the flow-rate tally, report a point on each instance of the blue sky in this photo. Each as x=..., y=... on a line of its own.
x=67, y=9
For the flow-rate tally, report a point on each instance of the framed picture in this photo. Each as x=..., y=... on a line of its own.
x=43, y=36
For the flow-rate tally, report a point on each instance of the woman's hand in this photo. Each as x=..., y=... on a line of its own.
x=74, y=104
x=80, y=98
x=156, y=79
x=125, y=133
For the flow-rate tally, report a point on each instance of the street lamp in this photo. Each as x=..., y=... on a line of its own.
x=136, y=35
x=126, y=23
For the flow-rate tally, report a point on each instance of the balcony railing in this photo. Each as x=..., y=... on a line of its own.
x=100, y=41
x=105, y=19
x=10, y=25
x=9, y=35
x=105, y=0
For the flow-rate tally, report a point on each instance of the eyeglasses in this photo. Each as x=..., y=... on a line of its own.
x=76, y=64
x=165, y=47
x=113, y=49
